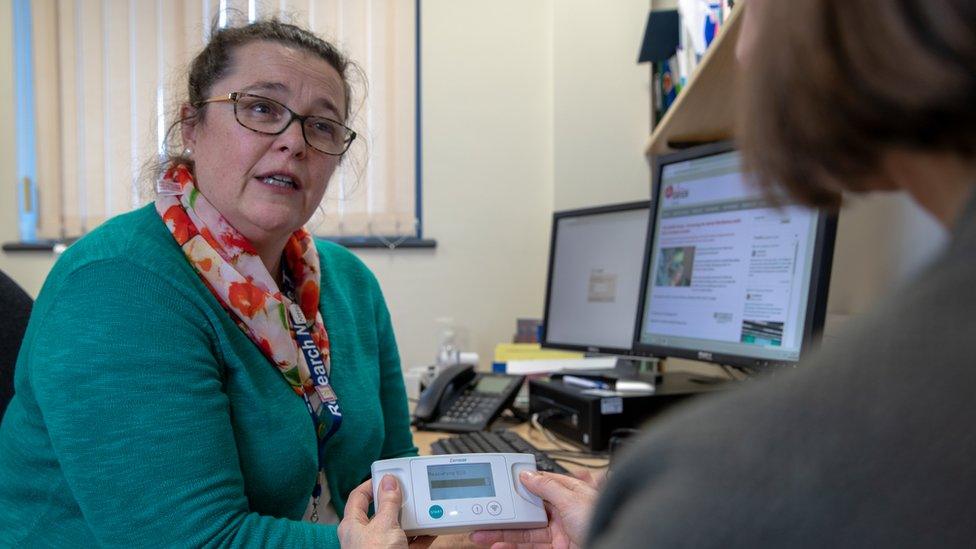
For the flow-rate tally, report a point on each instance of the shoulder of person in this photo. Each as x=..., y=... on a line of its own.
x=890, y=382
x=139, y=236
x=336, y=258
x=134, y=247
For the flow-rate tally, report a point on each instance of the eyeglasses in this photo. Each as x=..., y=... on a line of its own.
x=267, y=116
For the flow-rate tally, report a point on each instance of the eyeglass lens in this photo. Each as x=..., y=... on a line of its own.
x=267, y=116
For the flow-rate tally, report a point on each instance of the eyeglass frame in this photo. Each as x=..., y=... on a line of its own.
x=234, y=96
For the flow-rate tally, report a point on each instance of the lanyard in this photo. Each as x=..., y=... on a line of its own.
x=320, y=379
x=325, y=427
x=329, y=418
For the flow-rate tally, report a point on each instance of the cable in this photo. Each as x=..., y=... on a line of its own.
x=561, y=449
x=536, y=422
x=519, y=416
x=581, y=464
x=729, y=372
x=578, y=454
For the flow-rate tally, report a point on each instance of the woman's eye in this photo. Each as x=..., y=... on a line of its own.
x=323, y=128
x=261, y=108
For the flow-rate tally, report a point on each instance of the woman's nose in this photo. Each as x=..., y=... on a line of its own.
x=292, y=139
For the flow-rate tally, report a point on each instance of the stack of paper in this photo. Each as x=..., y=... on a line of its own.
x=530, y=358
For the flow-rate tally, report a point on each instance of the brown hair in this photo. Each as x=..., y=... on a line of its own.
x=832, y=85
x=216, y=60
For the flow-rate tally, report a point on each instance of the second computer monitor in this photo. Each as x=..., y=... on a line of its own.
x=730, y=276
x=593, y=285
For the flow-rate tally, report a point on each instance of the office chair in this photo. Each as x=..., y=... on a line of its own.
x=15, y=308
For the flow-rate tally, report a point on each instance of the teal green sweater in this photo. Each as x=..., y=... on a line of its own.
x=143, y=416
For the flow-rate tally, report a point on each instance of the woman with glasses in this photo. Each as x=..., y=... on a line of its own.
x=202, y=371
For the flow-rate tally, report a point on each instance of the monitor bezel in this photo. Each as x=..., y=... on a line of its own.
x=819, y=280
x=582, y=212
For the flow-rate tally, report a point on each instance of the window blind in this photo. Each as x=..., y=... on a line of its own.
x=108, y=76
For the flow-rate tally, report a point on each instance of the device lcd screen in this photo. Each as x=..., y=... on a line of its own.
x=458, y=481
x=492, y=385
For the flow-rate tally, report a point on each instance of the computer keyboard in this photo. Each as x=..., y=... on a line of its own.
x=495, y=441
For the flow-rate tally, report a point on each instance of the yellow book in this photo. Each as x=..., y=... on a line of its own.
x=505, y=352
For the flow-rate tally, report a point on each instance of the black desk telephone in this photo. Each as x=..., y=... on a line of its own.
x=460, y=400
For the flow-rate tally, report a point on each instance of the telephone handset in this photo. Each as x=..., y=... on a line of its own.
x=461, y=400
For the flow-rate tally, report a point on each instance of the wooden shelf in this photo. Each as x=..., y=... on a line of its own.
x=703, y=111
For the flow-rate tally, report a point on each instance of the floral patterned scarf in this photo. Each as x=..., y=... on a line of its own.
x=230, y=267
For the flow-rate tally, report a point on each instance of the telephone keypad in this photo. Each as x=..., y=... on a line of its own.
x=470, y=408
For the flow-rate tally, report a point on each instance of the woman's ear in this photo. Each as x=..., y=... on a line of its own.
x=188, y=125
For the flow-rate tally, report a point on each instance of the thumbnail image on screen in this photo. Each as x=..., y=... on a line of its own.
x=674, y=266
x=461, y=480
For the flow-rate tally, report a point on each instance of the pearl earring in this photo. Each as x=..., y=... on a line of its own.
x=187, y=151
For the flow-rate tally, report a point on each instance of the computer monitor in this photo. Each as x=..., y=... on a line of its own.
x=593, y=286
x=728, y=276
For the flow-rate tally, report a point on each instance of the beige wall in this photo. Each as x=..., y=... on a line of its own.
x=601, y=103
x=513, y=127
x=487, y=177
x=882, y=242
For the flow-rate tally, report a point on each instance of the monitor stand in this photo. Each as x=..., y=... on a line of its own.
x=649, y=371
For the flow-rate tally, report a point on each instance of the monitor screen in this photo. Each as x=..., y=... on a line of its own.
x=594, y=278
x=729, y=276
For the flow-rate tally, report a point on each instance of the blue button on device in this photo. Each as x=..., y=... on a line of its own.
x=436, y=511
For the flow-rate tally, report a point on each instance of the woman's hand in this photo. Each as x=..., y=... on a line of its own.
x=357, y=531
x=569, y=502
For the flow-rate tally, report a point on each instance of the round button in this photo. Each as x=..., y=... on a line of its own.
x=494, y=508
x=436, y=511
x=477, y=509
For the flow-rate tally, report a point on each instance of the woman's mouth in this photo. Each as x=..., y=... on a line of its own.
x=280, y=181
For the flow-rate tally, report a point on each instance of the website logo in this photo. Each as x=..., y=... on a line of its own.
x=673, y=192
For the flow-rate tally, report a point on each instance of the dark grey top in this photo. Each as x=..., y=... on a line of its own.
x=871, y=443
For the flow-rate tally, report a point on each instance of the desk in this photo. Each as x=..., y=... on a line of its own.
x=423, y=439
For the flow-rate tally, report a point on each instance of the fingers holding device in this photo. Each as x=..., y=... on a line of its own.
x=357, y=530
x=448, y=494
x=570, y=502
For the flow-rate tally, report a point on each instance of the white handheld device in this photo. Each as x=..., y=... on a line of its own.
x=450, y=494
